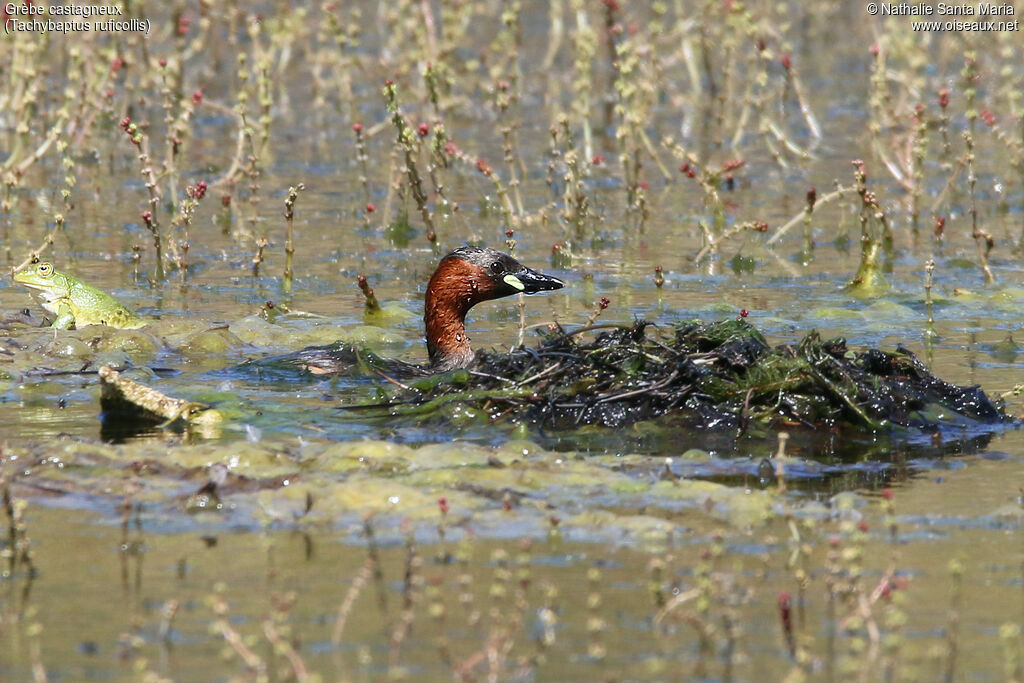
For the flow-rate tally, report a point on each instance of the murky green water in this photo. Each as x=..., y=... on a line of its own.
x=302, y=478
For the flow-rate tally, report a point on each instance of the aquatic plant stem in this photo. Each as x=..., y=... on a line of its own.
x=929, y=270
x=875, y=237
x=289, y=245
x=510, y=244
x=149, y=217
x=713, y=242
x=20, y=167
x=363, y=158
x=950, y=183
x=222, y=625
x=947, y=150
x=795, y=220
x=345, y=608
x=47, y=242
x=18, y=548
x=410, y=596
x=371, y=305
x=780, y=466
x=281, y=645
x=918, y=149
x=406, y=142
x=805, y=108
x=584, y=45
x=956, y=574
x=257, y=259
x=982, y=239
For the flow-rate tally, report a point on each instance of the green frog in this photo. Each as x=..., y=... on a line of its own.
x=74, y=302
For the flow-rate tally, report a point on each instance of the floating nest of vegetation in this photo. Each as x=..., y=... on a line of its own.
x=717, y=375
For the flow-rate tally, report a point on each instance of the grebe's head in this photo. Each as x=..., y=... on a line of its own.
x=464, y=278
x=491, y=274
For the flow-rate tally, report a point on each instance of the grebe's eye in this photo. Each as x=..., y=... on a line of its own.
x=497, y=268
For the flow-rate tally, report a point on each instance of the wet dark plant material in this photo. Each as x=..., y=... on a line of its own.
x=339, y=358
x=721, y=375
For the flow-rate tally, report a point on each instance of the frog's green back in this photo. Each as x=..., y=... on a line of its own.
x=92, y=306
x=75, y=301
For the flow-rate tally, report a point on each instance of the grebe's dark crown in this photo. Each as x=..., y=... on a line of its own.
x=508, y=275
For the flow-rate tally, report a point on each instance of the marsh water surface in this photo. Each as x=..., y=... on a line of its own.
x=456, y=546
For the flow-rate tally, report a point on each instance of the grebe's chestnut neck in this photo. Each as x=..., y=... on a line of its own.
x=464, y=278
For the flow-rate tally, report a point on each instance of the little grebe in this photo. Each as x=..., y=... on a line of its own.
x=464, y=278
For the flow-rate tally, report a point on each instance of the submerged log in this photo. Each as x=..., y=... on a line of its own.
x=125, y=400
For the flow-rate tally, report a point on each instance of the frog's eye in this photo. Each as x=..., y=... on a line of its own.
x=45, y=269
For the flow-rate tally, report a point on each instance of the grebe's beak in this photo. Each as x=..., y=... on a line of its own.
x=530, y=281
